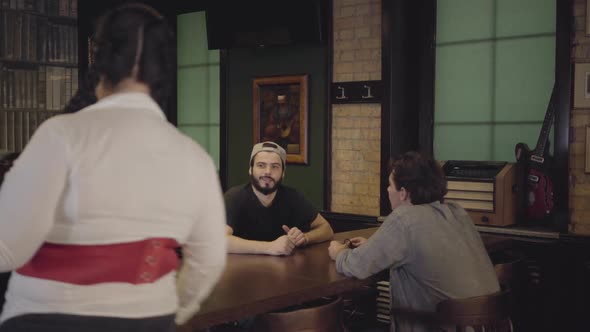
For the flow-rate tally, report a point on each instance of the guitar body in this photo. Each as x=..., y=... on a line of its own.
x=537, y=196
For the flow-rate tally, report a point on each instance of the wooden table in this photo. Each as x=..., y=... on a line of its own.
x=255, y=284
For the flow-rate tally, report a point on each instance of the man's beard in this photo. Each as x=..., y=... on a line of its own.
x=265, y=190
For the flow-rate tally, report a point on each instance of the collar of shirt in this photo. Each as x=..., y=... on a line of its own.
x=134, y=100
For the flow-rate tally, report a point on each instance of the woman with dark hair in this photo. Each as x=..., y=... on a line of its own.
x=130, y=48
x=94, y=209
x=432, y=249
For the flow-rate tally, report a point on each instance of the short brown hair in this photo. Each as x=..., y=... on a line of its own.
x=421, y=177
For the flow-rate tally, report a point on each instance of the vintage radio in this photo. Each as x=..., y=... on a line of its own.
x=485, y=189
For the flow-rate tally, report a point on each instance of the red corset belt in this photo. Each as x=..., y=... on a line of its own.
x=131, y=262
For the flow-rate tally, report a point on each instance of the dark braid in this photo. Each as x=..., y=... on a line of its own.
x=117, y=47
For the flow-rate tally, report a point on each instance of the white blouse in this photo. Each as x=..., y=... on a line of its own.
x=114, y=172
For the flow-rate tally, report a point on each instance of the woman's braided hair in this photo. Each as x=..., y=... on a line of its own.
x=135, y=40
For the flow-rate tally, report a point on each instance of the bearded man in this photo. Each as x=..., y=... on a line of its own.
x=266, y=217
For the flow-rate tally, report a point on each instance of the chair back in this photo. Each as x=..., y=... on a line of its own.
x=509, y=271
x=325, y=317
x=490, y=313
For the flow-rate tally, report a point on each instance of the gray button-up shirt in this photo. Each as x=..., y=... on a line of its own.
x=433, y=253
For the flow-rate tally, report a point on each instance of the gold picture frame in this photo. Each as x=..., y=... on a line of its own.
x=280, y=114
x=582, y=85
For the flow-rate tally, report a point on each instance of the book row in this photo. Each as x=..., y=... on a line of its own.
x=67, y=8
x=48, y=88
x=17, y=127
x=33, y=38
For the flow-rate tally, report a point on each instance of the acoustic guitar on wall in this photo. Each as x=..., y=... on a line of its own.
x=538, y=186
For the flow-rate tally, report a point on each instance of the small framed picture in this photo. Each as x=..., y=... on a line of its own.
x=280, y=114
x=582, y=85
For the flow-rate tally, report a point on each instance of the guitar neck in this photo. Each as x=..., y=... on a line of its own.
x=539, y=150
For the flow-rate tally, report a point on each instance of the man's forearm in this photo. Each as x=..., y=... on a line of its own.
x=237, y=245
x=320, y=234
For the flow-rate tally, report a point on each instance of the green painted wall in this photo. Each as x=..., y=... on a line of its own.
x=246, y=64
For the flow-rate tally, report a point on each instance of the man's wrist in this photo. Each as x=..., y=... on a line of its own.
x=341, y=249
x=347, y=243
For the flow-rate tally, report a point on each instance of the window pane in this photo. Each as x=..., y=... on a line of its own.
x=459, y=20
x=214, y=146
x=213, y=57
x=213, y=91
x=193, y=95
x=198, y=83
x=524, y=78
x=525, y=17
x=462, y=142
x=463, y=90
x=507, y=136
x=492, y=94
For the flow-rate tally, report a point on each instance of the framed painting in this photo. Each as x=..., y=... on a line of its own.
x=280, y=114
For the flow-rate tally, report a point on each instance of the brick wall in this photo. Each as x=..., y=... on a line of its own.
x=356, y=129
x=579, y=180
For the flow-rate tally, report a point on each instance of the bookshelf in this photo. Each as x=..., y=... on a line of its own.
x=38, y=65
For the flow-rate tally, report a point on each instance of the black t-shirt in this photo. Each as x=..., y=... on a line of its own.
x=252, y=221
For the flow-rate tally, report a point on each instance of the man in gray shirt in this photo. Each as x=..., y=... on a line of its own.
x=432, y=249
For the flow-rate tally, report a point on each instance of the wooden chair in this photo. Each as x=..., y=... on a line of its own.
x=506, y=273
x=324, y=317
x=509, y=270
x=489, y=313
x=359, y=307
